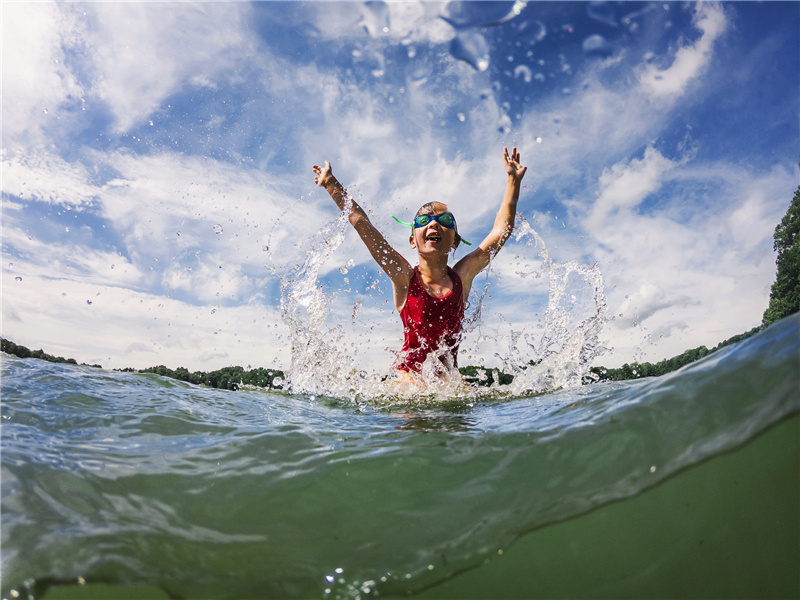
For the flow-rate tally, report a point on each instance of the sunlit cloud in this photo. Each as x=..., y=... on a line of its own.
x=690, y=60
x=39, y=89
x=626, y=186
x=45, y=177
x=141, y=53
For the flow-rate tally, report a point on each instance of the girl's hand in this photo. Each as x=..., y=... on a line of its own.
x=513, y=168
x=324, y=175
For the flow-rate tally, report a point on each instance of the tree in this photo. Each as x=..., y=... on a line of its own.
x=784, y=298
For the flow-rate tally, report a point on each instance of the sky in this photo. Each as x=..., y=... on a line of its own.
x=157, y=184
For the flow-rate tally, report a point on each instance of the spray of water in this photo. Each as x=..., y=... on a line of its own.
x=558, y=357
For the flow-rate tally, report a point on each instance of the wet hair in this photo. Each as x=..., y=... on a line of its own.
x=431, y=207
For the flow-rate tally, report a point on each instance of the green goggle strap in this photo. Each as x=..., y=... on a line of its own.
x=412, y=226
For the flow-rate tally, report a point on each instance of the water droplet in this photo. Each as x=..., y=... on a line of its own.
x=462, y=117
x=217, y=228
x=476, y=14
x=538, y=140
x=213, y=310
x=44, y=111
x=375, y=18
x=524, y=72
x=18, y=279
x=88, y=302
x=596, y=45
x=178, y=233
x=602, y=12
x=471, y=47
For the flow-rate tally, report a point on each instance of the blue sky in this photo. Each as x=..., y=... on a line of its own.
x=156, y=165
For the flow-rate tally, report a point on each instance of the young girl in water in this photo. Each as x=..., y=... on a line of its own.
x=431, y=297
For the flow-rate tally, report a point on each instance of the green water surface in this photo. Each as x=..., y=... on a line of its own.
x=726, y=528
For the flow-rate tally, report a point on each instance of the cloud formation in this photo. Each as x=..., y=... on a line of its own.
x=689, y=61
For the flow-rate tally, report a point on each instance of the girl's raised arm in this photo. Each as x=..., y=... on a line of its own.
x=390, y=260
x=477, y=260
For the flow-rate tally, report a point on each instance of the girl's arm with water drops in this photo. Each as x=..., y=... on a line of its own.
x=477, y=260
x=390, y=260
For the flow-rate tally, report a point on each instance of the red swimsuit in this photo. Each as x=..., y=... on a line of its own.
x=429, y=321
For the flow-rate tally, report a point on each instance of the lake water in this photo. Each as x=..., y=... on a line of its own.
x=685, y=485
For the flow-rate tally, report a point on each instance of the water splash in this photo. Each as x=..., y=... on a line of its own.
x=471, y=47
x=316, y=360
x=553, y=354
x=463, y=15
x=574, y=318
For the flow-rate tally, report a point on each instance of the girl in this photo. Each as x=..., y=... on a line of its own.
x=431, y=297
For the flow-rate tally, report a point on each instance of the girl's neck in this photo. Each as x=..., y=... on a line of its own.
x=433, y=270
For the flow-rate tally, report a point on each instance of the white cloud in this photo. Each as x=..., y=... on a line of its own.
x=142, y=52
x=625, y=186
x=118, y=328
x=645, y=302
x=37, y=83
x=691, y=60
x=664, y=271
x=167, y=206
x=44, y=177
x=209, y=279
x=68, y=261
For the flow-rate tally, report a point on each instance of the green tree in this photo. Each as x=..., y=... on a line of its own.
x=784, y=298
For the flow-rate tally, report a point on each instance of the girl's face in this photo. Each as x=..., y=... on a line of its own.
x=433, y=237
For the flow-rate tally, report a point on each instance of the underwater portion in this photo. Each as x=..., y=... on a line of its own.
x=134, y=480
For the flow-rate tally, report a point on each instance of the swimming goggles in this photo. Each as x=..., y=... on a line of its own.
x=445, y=220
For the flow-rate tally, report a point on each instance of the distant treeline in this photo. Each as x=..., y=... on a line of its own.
x=637, y=370
x=483, y=376
x=784, y=300
x=233, y=378
x=22, y=352
x=229, y=378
